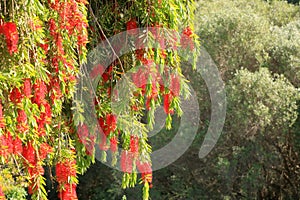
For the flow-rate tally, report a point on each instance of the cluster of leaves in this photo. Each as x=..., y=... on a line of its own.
x=255, y=45
x=14, y=188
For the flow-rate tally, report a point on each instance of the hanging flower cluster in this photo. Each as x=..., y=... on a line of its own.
x=154, y=68
x=10, y=146
x=43, y=46
x=186, y=39
x=145, y=169
x=9, y=30
x=65, y=171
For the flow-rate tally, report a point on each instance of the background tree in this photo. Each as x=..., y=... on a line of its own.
x=42, y=46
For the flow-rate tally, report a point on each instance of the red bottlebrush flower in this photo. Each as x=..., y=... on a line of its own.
x=140, y=78
x=113, y=144
x=61, y=173
x=52, y=27
x=147, y=62
x=111, y=121
x=64, y=170
x=108, y=125
x=22, y=117
x=126, y=161
x=22, y=125
x=97, y=70
x=175, y=85
x=55, y=60
x=44, y=150
x=30, y=189
x=41, y=130
x=186, y=38
x=59, y=45
x=107, y=75
x=12, y=37
x=29, y=153
x=167, y=102
x=103, y=143
x=90, y=145
x=82, y=40
x=134, y=144
x=54, y=4
x=146, y=171
x=40, y=89
x=2, y=195
x=68, y=192
x=48, y=112
x=108, y=91
x=131, y=27
x=18, y=148
x=161, y=88
x=55, y=88
x=27, y=87
x=36, y=170
x=140, y=54
x=102, y=125
x=15, y=96
x=163, y=54
x=83, y=130
x=2, y=121
x=148, y=103
x=188, y=32
x=154, y=91
x=143, y=167
x=45, y=47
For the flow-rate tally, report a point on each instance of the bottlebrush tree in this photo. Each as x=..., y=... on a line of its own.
x=42, y=46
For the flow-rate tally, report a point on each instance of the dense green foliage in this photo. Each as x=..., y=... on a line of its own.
x=252, y=34
x=256, y=47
